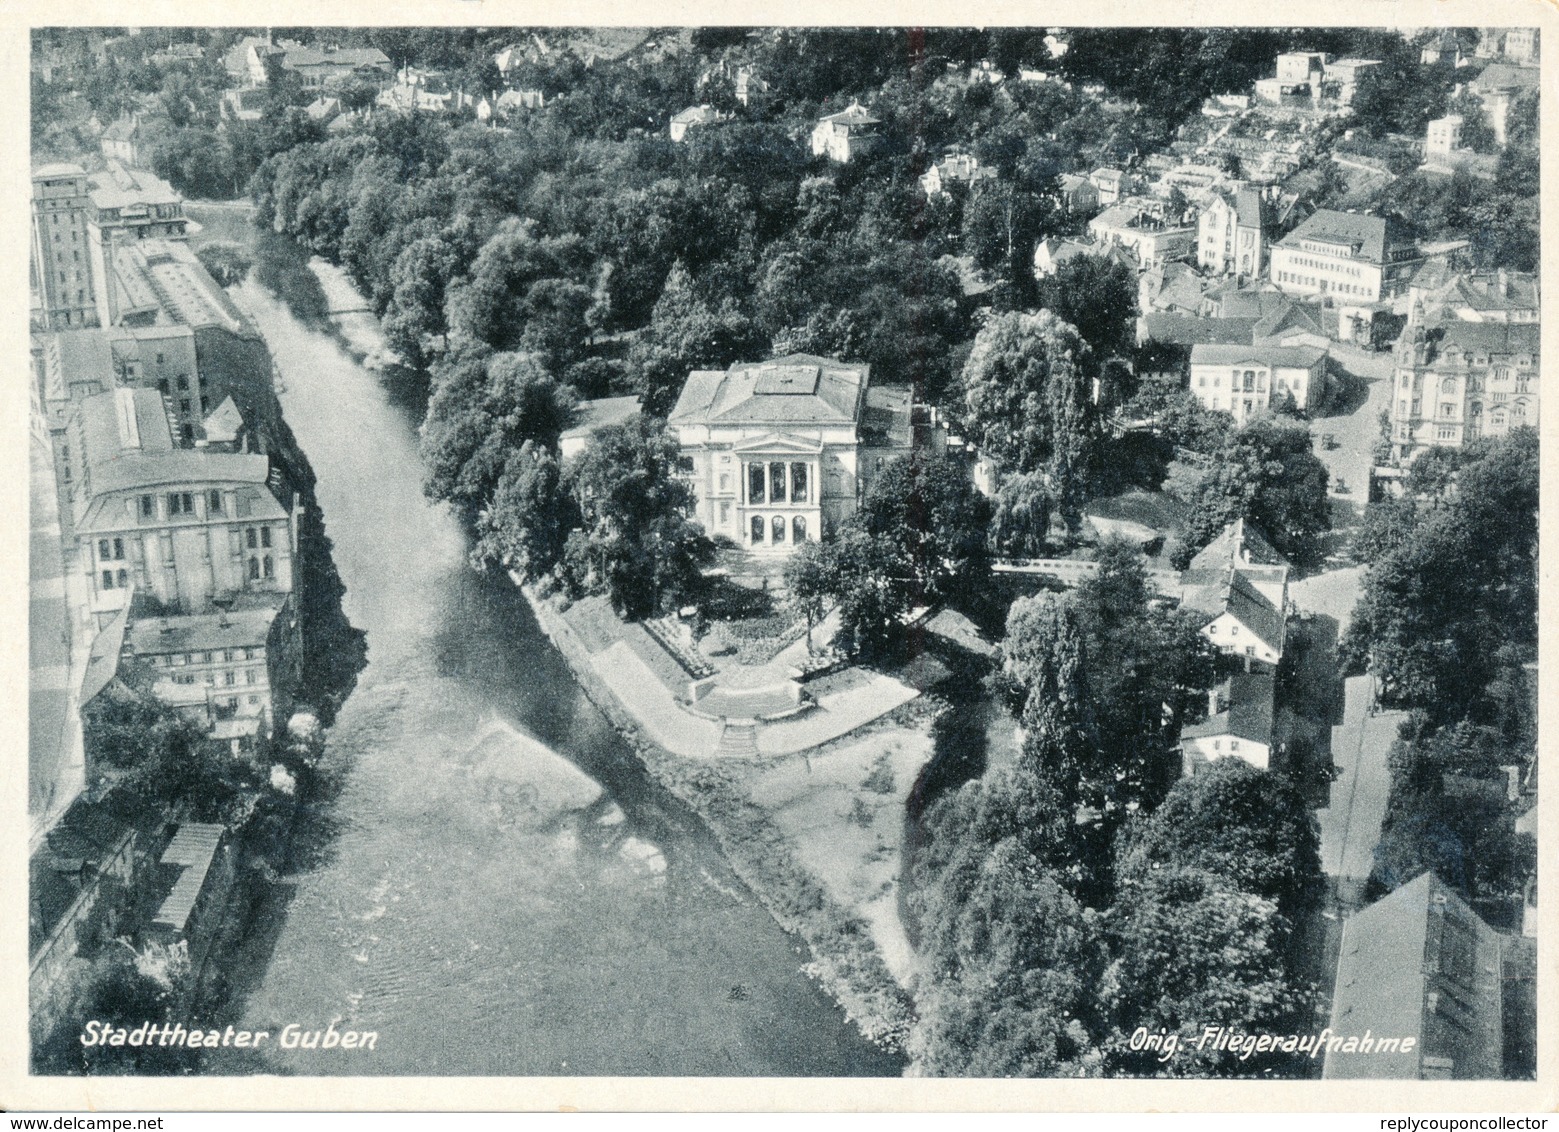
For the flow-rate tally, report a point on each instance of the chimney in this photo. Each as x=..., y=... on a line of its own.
x=1504, y=283
x=1212, y=701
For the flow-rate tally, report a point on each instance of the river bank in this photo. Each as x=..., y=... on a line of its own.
x=431, y=899
x=755, y=808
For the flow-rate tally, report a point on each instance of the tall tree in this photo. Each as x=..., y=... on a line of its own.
x=1192, y=948
x=1247, y=826
x=926, y=508
x=483, y=407
x=1027, y=402
x=526, y=525
x=1098, y=296
x=636, y=541
x=1010, y=965
x=1268, y=474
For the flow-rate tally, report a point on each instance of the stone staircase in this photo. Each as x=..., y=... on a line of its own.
x=739, y=740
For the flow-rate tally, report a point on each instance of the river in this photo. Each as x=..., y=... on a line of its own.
x=473, y=930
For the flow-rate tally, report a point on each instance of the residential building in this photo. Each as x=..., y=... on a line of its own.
x=852, y=132
x=1300, y=68
x=1298, y=75
x=186, y=527
x=1343, y=79
x=1051, y=252
x=240, y=58
x=317, y=68
x=128, y=140
x=1443, y=136
x=1078, y=193
x=1245, y=381
x=1418, y=990
x=1445, y=48
x=1518, y=45
x=1344, y=254
x=1521, y=46
x=955, y=167
x=513, y=101
x=1498, y=86
x=1112, y=184
x=685, y=120
x=1240, y=711
x=1142, y=228
x=61, y=265
x=416, y=91
x=778, y=451
x=592, y=416
x=244, y=105
x=749, y=86
x=1239, y=584
x=1241, y=546
x=1499, y=296
x=1461, y=380
x=1231, y=233
x=1172, y=287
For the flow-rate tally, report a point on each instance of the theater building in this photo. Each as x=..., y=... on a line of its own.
x=778, y=451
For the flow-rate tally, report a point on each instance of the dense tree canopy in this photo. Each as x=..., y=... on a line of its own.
x=1268, y=474
x=636, y=541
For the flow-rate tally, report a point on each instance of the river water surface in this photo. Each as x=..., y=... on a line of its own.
x=446, y=907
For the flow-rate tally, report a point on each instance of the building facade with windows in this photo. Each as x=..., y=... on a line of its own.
x=1245, y=381
x=64, y=297
x=776, y=451
x=852, y=132
x=188, y=528
x=1230, y=233
x=1141, y=227
x=1346, y=255
x=233, y=671
x=1461, y=380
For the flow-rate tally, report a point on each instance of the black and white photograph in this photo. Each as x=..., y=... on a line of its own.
x=879, y=552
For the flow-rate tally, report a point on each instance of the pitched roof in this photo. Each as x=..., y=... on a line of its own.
x=1507, y=76
x=57, y=169
x=696, y=115
x=193, y=848
x=1250, y=607
x=1289, y=316
x=103, y=657
x=592, y=415
x=1249, y=208
x=224, y=423
x=1240, y=542
x=1492, y=337
x=1515, y=291
x=1368, y=236
x=1190, y=330
x=1248, y=713
x=118, y=187
x=247, y=627
x=1419, y=963
x=76, y=357
x=1059, y=251
x=796, y=389
x=127, y=445
x=853, y=115
x=1213, y=354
